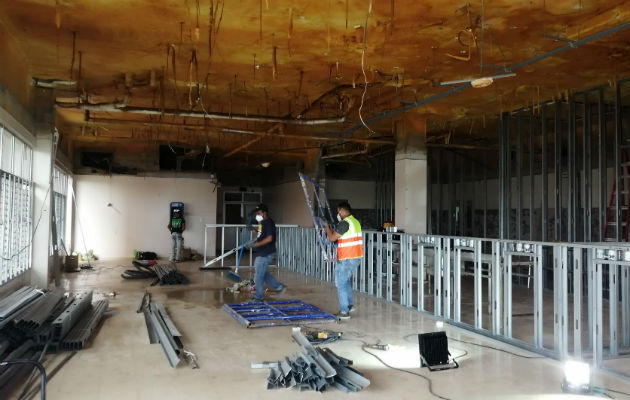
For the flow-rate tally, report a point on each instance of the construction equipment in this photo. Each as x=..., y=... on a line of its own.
x=324, y=216
x=224, y=255
x=276, y=313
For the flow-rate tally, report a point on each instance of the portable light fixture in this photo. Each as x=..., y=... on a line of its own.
x=265, y=164
x=577, y=377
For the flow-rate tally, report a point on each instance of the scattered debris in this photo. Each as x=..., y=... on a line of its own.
x=313, y=369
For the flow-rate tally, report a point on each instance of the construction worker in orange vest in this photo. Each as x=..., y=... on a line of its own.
x=349, y=240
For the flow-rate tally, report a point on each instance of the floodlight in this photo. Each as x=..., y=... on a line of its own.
x=577, y=377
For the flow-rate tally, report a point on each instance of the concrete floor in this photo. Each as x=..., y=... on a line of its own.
x=119, y=363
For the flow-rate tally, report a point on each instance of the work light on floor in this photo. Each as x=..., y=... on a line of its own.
x=577, y=377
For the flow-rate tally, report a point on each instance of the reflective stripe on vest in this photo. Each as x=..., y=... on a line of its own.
x=350, y=244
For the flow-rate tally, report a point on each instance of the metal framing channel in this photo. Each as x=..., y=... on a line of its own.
x=408, y=267
x=613, y=301
x=502, y=175
x=507, y=295
x=597, y=325
x=370, y=274
x=532, y=185
x=577, y=303
x=496, y=288
x=452, y=199
x=601, y=140
x=420, y=279
x=557, y=184
x=544, y=198
x=571, y=172
x=590, y=287
x=457, y=286
x=508, y=183
x=619, y=229
x=390, y=263
x=586, y=168
x=438, y=217
x=485, y=201
x=478, y=286
x=460, y=197
x=437, y=271
x=519, y=177
x=560, y=306
x=446, y=275
x=625, y=305
x=379, y=266
x=429, y=196
x=538, y=297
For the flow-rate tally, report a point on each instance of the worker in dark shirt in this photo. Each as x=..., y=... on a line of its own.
x=176, y=226
x=265, y=249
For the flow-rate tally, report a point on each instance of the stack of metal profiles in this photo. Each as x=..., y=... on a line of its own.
x=162, y=330
x=32, y=318
x=277, y=313
x=169, y=275
x=82, y=330
x=165, y=274
x=34, y=322
x=314, y=369
x=71, y=315
x=17, y=302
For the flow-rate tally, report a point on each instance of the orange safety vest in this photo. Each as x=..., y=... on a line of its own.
x=350, y=244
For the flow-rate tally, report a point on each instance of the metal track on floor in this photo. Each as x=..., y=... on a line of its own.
x=277, y=313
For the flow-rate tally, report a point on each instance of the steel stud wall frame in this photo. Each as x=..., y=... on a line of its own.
x=563, y=173
x=471, y=282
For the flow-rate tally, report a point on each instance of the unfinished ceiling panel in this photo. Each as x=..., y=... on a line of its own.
x=298, y=74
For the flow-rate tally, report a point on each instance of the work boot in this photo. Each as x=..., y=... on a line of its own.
x=342, y=315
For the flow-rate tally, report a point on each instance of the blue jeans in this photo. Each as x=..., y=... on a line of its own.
x=176, y=249
x=261, y=276
x=343, y=273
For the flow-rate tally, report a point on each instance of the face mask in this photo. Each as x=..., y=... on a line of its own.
x=259, y=218
x=338, y=217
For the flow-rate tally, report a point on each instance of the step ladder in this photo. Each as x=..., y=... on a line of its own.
x=613, y=225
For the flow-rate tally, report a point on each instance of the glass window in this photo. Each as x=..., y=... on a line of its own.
x=16, y=199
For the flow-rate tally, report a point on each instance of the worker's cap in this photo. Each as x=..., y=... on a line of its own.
x=261, y=207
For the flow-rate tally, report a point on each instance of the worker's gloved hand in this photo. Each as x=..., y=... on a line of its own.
x=250, y=245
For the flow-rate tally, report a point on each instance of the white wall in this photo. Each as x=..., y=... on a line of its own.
x=139, y=213
x=287, y=204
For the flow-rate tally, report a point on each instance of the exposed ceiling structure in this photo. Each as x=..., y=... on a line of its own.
x=273, y=80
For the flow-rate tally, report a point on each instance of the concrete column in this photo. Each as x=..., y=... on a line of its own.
x=410, y=181
x=42, y=170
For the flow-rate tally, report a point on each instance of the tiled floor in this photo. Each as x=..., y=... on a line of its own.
x=121, y=364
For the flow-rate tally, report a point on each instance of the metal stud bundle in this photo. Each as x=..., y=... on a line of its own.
x=165, y=274
x=34, y=322
x=313, y=369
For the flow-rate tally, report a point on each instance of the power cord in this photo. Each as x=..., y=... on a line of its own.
x=367, y=345
x=603, y=390
x=496, y=348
